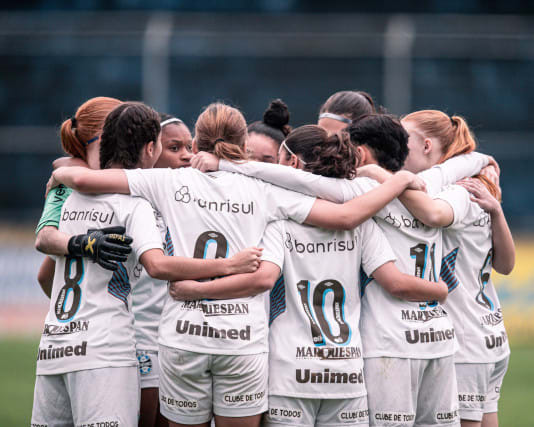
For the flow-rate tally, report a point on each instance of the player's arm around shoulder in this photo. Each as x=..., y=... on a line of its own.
x=234, y=286
x=407, y=287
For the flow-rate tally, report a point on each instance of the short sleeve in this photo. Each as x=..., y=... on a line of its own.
x=52, y=207
x=286, y=204
x=273, y=244
x=458, y=198
x=141, y=226
x=376, y=250
x=150, y=184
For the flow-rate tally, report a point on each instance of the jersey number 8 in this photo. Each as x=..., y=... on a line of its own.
x=72, y=284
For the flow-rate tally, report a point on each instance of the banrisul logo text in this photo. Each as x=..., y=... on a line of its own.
x=184, y=195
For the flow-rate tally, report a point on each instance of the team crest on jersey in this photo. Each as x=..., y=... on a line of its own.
x=183, y=195
x=145, y=363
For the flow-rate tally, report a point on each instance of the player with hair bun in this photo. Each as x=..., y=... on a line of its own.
x=265, y=137
x=316, y=371
x=343, y=108
x=213, y=354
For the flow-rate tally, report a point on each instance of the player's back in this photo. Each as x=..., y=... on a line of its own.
x=473, y=303
x=89, y=323
x=314, y=341
x=211, y=216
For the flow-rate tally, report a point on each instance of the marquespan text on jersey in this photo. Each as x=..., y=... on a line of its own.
x=330, y=353
x=216, y=309
x=204, y=330
x=491, y=319
x=307, y=376
x=423, y=315
x=69, y=328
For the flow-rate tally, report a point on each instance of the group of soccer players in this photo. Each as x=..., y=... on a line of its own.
x=336, y=274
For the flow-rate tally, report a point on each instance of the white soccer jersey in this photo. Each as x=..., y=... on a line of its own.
x=215, y=215
x=473, y=304
x=148, y=295
x=90, y=323
x=314, y=341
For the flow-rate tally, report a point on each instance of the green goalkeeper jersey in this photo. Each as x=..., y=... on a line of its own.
x=52, y=208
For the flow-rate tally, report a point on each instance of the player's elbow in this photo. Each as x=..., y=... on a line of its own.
x=155, y=269
x=436, y=218
x=82, y=184
x=504, y=267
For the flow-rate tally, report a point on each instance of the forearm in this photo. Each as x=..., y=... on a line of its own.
x=431, y=212
x=175, y=268
x=358, y=210
x=454, y=169
x=93, y=181
x=51, y=241
x=503, y=243
x=411, y=288
x=289, y=178
x=45, y=277
x=235, y=286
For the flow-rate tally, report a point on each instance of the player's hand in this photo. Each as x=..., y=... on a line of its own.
x=106, y=246
x=205, y=162
x=481, y=195
x=414, y=182
x=246, y=261
x=374, y=172
x=183, y=290
x=491, y=172
x=493, y=162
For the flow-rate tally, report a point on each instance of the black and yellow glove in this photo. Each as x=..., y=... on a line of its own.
x=105, y=246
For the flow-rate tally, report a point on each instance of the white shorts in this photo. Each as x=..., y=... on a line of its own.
x=296, y=411
x=148, y=368
x=408, y=392
x=109, y=396
x=193, y=386
x=479, y=388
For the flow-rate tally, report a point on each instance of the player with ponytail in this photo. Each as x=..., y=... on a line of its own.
x=476, y=239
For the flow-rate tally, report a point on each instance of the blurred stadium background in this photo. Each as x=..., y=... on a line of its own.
x=472, y=58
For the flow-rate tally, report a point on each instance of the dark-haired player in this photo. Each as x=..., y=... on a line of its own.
x=265, y=136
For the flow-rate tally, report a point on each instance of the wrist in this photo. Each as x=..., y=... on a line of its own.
x=496, y=210
x=227, y=266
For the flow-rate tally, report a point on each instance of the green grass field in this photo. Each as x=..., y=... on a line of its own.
x=17, y=357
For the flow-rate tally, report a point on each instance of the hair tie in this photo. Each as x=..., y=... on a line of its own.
x=73, y=122
x=218, y=140
x=92, y=140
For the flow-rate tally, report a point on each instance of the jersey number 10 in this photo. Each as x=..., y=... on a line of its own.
x=321, y=327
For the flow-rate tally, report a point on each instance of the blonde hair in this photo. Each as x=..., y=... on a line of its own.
x=454, y=135
x=222, y=130
x=86, y=125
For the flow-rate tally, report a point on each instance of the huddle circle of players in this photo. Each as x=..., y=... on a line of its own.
x=336, y=274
